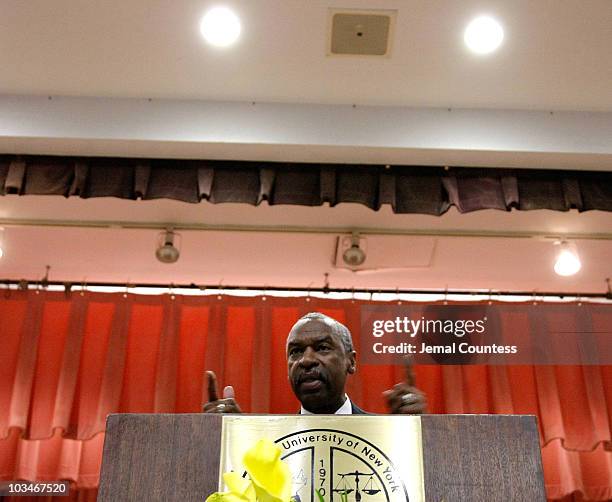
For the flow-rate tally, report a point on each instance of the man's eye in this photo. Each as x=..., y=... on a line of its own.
x=324, y=347
x=295, y=352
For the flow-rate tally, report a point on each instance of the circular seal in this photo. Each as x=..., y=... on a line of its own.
x=340, y=467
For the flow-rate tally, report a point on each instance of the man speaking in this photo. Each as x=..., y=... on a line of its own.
x=320, y=357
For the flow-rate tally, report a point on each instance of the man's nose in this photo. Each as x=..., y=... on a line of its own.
x=309, y=358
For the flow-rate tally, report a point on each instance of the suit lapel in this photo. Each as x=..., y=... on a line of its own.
x=356, y=410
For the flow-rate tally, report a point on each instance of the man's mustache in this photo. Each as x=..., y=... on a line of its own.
x=311, y=375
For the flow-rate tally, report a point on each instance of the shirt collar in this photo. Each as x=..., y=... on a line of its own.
x=345, y=409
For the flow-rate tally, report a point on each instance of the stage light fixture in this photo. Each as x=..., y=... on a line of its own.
x=567, y=262
x=354, y=256
x=166, y=251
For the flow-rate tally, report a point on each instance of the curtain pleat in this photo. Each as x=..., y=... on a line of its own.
x=142, y=177
x=112, y=178
x=407, y=189
x=26, y=363
x=81, y=173
x=53, y=458
x=69, y=367
x=583, y=475
x=167, y=359
x=15, y=176
x=67, y=361
x=103, y=358
x=261, y=383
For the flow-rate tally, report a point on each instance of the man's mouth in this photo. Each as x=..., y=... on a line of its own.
x=310, y=383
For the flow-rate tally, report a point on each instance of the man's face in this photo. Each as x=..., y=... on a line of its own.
x=318, y=366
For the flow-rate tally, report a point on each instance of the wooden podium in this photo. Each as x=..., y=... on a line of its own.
x=161, y=457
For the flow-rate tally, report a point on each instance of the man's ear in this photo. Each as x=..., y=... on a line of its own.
x=353, y=363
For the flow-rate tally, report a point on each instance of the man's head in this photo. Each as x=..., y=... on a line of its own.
x=320, y=356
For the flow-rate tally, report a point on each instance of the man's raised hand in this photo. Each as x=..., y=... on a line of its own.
x=404, y=397
x=215, y=405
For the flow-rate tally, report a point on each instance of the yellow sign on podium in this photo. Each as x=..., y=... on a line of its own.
x=369, y=458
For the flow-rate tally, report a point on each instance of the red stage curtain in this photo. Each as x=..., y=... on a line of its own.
x=66, y=361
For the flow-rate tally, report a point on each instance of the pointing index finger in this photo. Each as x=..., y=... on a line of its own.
x=213, y=393
x=410, y=379
x=228, y=392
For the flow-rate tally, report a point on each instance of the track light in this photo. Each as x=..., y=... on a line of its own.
x=166, y=251
x=354, y=256
x=568, y=262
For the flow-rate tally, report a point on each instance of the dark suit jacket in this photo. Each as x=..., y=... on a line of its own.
x=357, y=410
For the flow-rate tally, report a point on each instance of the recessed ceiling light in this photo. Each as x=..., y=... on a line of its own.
x=483, y=35
x=220, y=27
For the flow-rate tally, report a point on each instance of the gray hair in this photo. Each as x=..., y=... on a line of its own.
x=338, y=328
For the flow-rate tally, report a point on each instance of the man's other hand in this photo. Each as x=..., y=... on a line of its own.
x=215, y=405
x=404, y=397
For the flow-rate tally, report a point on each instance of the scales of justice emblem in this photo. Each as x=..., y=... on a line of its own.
x=335, y=463
x=349, y=482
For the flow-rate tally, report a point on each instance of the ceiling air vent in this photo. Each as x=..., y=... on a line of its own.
x=361, y=32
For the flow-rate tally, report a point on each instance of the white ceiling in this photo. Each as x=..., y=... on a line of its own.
x=556, y=56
